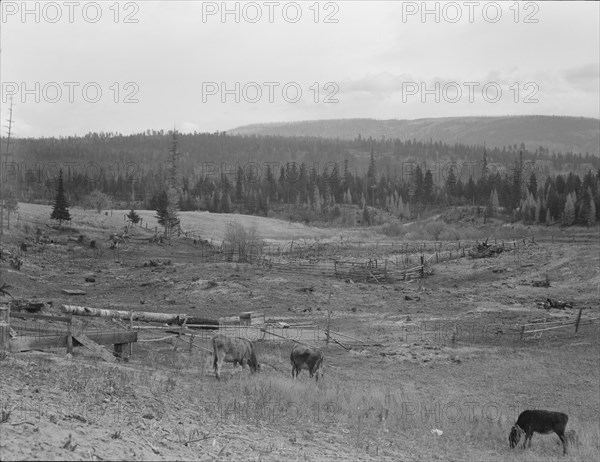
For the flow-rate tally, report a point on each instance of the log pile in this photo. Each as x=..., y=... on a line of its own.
x=485, y=250
x=557, y=304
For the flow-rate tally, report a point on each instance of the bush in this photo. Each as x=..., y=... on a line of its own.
x=418, y=236
x=435, y=228
x=241, y=240
x=394, y=229
x=449, y=234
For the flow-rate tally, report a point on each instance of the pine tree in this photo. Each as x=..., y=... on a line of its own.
x=316, y=199
x=366, y=218
x=239, y=184
x=533, y=185
x=428, y=187
x=494, y=199
x=10, y=204
x=133, y=217
x=372, y=171
x=569, y=211
x=160, y=205
x=451, y=185
x=470, y=190
x=517, y=182
x=60, y=211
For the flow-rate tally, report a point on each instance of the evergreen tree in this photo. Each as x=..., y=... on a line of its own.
x=366, y=218
x=428, y=187
x=372, y=171
x=239, y=184
x=60, y=211
x=11, y=204
x=517, y=182
x=316, y=199
x=133, y=217
x=569, y=211
x=159, y=203
x=418, y=184
x=494, y=199
x=533, y=185
x=451, y=185
x=470, y=190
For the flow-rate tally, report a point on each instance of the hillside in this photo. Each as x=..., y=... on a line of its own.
x=560, y=134
x=435, y=369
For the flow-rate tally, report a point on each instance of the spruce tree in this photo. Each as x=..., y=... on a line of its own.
x=133, y=217
x=60, y=211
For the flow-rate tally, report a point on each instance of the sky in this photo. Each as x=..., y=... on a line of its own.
x=76, y=67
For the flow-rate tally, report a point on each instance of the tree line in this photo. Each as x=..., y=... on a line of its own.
x=306, y=178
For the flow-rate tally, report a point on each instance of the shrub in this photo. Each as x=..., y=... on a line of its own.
x=241, y=240
x=435, y=228
x=394, y=229
x=449, y=234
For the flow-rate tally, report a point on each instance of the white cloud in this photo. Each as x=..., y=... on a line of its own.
x=370, y=53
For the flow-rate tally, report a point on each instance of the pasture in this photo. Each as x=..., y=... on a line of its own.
x=431, y=370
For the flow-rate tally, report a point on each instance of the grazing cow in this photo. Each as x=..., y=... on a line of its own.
x=305, y=357
x=540, y=422
x=233, y=350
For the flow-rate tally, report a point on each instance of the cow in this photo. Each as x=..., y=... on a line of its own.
x=541, y=422
x=233, y=350
x=309, y=358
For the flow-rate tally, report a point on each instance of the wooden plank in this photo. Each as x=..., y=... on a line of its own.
x=93, y=346
x=41, y=330
x=46, y=317
x=73, y=292
x=60, y=341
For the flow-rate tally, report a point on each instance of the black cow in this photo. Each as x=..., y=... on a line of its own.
x=540, y=422
x=309, y=358
x=233, y=350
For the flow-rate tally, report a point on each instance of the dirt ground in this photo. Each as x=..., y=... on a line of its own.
x=423, y=371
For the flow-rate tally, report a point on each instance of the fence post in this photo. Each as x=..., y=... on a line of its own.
x=578, y=319
x=328, y=323
x=70, y=336
x=4, y=331
x=522, y=332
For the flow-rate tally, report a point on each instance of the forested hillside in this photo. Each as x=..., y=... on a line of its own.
x=554, y=133
x=312, y=179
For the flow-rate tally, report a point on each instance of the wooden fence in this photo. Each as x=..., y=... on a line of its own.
x=535, y=330
x=25, y=336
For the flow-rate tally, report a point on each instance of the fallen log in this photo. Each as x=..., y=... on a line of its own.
x=133, y=315
x=145, y=316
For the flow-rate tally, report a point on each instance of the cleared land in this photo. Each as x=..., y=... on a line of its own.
x=445, y=356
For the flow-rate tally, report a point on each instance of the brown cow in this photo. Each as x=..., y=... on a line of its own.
x=309, y=358
x=233, y=350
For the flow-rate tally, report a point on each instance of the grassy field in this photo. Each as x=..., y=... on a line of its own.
x=401, y=387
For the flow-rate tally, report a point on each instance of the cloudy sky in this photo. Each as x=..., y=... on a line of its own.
x=75, y=67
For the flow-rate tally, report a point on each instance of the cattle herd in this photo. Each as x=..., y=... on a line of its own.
x=241, y=351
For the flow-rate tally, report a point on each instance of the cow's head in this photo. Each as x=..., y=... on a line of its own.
x=515, y=435
x=254, y=367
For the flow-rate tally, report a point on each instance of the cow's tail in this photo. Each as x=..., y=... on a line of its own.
x=253, y=359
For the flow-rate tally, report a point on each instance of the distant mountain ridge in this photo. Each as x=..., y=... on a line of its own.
x=556, y=133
